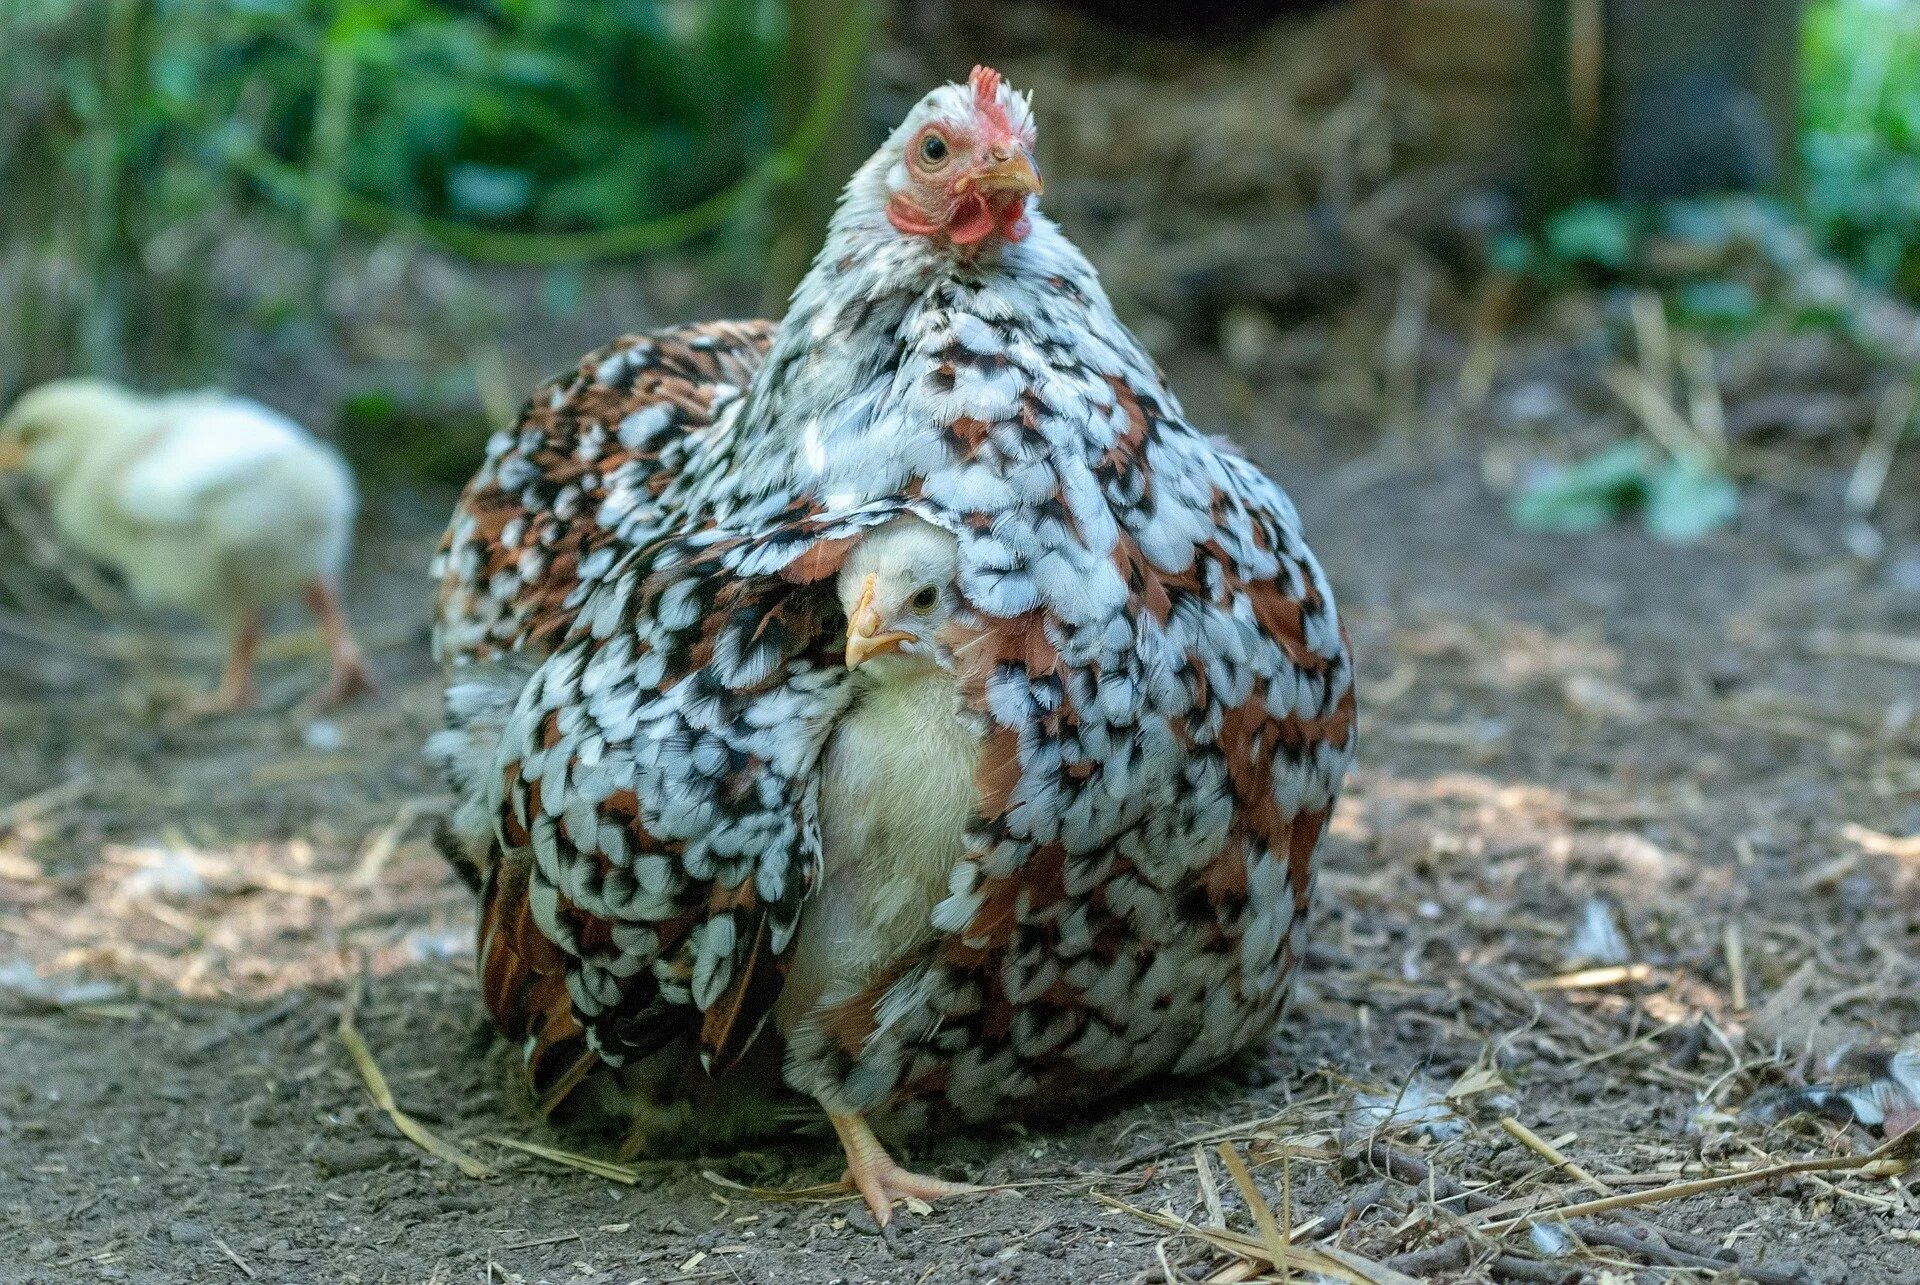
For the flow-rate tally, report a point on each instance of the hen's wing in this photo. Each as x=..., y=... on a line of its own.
x=575, y=483
x=655, y=798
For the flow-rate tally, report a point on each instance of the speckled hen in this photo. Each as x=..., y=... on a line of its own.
x=664, y=707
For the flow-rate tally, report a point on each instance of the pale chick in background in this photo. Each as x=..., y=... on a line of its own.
x=896, y=796
x=209, y=503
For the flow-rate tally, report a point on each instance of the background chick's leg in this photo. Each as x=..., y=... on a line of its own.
x=879, y=1178
x=349, y=676
x=236, y=691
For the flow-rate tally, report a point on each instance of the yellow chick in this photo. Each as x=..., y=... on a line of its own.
x=896, y=794
x=202, y=501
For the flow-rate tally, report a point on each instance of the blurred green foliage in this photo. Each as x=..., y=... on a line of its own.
x=140, y=138
x=1860, y=146
x=1859, y=179
x=1678, y=499
x=524, y=113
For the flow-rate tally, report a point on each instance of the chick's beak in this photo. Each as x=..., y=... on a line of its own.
x=12, y=456
x=1009, y=169
x=864, y=639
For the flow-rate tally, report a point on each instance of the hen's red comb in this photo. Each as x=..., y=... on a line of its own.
x=986, y=97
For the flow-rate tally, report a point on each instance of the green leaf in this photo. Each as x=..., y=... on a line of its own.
x=1592, y=232
x=1586, y=495
x=488, y=192
x=1731, y=305
x=1686, y=501
x=1511, y=252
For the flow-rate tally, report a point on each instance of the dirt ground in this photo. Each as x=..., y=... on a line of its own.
x=1703, y=738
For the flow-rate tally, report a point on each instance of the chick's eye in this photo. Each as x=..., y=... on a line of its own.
x=933, y=149
x=923, y=601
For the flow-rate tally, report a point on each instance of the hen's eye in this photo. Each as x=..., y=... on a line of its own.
x=933, y=149
x=923, y=601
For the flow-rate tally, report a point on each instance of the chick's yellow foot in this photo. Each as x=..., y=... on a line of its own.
x=879, y=1178
x=349, y=678
x=199, y=705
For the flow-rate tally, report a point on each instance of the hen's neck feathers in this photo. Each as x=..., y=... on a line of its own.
x=844, y=406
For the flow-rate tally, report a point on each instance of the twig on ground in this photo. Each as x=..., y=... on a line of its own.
x=1445, y=1256
x=1891, y=1158
x=586, y=1164
x=1593, y=978
x=376, y=1083
x=1645, y=1242
x=1875, y=844
x=39, y=804
x=1510, y=1267
x=1876, y=457
x=1504, y=990
x=1894, y=649
x=1548, y=1152
x=1334, y=1217
x=1340, y=1266
x=1650, y=1240
x=238, y=1261
x=381, y=847
x=545, y=1240
x=1735, y=947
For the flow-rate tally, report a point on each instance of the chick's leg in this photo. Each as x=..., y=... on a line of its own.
x=236, y=691
x=349, y=676
x=879, y=1178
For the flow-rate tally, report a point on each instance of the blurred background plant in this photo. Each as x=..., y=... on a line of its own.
x=1860, y=146
x=138, y=137
x=390, y=217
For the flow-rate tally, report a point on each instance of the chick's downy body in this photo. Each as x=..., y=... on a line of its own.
x=897, y=782
x=203, y=502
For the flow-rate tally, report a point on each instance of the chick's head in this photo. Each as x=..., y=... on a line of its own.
x=898, y=590
x=52, y=426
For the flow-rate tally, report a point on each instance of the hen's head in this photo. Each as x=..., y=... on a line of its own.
x=962, y=163
x=897, y=589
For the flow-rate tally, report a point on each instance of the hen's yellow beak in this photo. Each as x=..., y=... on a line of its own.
x=864, y=639
x=1009, y=168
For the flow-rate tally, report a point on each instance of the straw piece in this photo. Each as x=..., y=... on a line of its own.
x=1350, y=1268
x=376, y=1083
x=571, y=1159
x=1736, y=951
x=825, y=1193
x=1593, y=978
x=1256, y=1204
x=1893, y=1157
x=1209, y=1188
x=1553, y=1156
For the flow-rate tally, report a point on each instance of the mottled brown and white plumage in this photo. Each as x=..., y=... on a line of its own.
x=577, y=481
x=1148, y=683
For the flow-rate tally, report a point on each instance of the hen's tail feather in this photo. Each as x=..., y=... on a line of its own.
x=523, y=980
x=478, y=706
x=459, y=855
